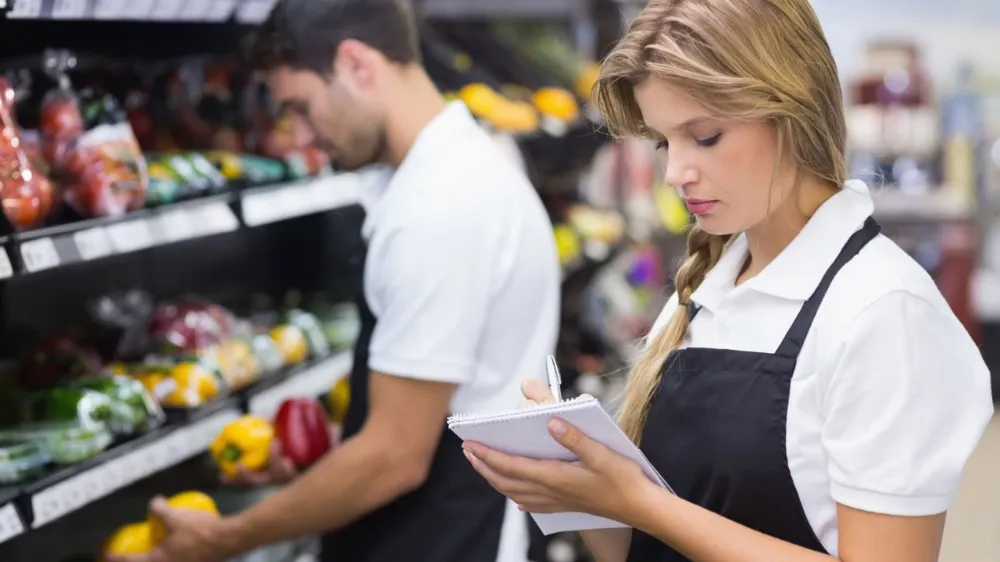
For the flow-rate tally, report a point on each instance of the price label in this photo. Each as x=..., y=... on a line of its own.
x=25, y=9
x=166, y=9
x=138, y=9
x=39, y=255
x=111, y=9
x=69, y=9
x=10, y=523
x=177, y=225
x=92, y=244
x=255, y=11
x=130, y=236
x=221, y=10
x=6, y=269
x=267, y=207
x=216, y=218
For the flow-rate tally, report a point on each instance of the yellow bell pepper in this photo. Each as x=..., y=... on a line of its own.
x=196, y=501
x=246, y=441
x=196, y=385
x=134, y=538
x=557, y=103
x=339, y=400
x=291, y=342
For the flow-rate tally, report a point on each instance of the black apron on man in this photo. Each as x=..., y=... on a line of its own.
x=455, y=516
x=716, y=430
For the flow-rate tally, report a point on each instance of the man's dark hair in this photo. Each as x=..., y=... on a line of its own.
x=305, y=34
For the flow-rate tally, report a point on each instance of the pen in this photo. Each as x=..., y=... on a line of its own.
x=555, y=380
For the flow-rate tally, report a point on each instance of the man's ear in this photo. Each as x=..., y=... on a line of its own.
x=356, y=63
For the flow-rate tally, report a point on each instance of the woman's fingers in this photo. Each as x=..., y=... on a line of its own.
x=535, y=390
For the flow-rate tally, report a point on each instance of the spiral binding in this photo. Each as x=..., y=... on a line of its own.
x=495, y=416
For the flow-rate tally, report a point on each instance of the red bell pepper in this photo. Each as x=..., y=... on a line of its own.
x=302, y=431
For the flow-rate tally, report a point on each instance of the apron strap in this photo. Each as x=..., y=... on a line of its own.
x=796, y=336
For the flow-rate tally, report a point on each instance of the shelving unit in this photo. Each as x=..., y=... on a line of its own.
x=235, y=246
x=67, y=490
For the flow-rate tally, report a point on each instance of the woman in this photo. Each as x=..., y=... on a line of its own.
x=807, y=392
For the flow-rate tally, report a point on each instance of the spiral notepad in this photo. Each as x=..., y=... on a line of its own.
x=525, y=433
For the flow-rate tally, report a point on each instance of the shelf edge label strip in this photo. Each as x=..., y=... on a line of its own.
x=87, y=487
x=10, y=523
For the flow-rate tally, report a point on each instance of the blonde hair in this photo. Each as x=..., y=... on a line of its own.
x=760, y=60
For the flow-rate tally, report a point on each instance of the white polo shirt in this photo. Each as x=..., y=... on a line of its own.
x=462, y=274
x=889, y=396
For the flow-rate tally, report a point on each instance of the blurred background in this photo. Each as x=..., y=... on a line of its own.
x=165, y=229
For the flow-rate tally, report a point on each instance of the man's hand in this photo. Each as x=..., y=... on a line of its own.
x=279, y=470
x=192, y=536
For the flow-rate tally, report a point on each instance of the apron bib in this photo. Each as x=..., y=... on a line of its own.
x=716, y=430
x=455, y=516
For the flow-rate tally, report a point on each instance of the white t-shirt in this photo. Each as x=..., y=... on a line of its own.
x=462, y=274
x=889, y=396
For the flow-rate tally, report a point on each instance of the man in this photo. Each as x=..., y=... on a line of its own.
x=460, y=304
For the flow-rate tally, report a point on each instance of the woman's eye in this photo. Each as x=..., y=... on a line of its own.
x=662, y=144
x=710, y=141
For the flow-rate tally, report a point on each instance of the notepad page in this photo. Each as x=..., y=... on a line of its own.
x=525, y=433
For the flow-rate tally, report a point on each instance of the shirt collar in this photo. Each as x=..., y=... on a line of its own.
x=798, y=270
x=445, y=127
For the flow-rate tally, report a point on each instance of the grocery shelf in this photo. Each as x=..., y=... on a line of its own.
x=204, y=11
x=312, y=380
x=265, y=205
x=69, y=489
x=47, y=248
x=489, y=9
x=83, y=241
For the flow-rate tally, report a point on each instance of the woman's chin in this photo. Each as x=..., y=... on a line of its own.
x=713, y=224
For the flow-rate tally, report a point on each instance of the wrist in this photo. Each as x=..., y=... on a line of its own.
x=235, y=535
x=651, y=503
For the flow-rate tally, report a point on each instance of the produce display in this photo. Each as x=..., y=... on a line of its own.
x=301, y=430
x=66, y=403
x=77, y=143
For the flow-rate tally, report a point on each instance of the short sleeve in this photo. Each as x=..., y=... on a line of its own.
x=430, y=288
x=908, y=400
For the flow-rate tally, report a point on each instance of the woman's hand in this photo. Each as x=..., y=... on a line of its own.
x=601, y=483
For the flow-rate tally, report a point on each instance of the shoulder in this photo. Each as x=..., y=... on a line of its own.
x=878, y=284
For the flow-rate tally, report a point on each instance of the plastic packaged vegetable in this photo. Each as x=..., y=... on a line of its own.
x=65, y=442
x=133, y=409
x=21, y=460
x=27, y=194
x=92, y=149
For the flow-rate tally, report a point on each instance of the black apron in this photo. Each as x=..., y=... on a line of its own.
x=455, y=516
x=716, y=430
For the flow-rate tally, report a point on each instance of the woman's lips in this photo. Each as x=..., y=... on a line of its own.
x=699, y=206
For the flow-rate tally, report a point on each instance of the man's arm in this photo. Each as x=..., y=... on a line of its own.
x=388, y=458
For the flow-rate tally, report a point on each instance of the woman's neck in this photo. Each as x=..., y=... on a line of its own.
x=768, y=239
